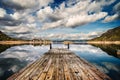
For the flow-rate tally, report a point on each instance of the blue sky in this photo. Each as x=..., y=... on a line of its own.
x=58, y=19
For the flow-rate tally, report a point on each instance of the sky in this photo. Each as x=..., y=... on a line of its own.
x=58, y=19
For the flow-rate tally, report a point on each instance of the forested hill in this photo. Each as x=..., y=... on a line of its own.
x=110, y=35
x=4, y=37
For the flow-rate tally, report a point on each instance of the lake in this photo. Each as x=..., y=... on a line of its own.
x=104, y=57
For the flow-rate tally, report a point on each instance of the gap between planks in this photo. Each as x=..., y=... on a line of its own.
x=59, y=64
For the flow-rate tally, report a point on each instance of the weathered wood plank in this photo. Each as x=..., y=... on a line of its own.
x=40, y=68
x=59, y=64
x=68, y=76
x=27, y=72
x=73, y=70
x=60, y=68
x=49, y=74
x=56, y=70
x=23, y=70
x=45, y=70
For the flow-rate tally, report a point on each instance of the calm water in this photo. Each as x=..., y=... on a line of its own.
x=104, y=57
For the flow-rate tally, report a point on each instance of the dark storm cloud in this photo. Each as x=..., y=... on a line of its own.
x=11, y=5
x=17, y=33
x=9, y=22
x=16, y=5
x=25, y=4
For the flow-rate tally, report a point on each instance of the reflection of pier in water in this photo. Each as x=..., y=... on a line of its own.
x=68, y=46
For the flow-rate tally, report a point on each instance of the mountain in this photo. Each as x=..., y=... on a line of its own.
x=4, y=37
x=110, y=49
x=110, y=35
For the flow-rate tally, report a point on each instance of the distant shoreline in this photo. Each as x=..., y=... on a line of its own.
x=23, y=42
x=49, y=42
x=103, y=42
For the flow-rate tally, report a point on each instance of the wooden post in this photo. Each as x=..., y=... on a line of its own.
x=68, y=45
x=50, y=46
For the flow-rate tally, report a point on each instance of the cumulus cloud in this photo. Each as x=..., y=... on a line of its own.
x=117, y=8
x=116, y=16
x=75, y=20
x=23, y=11
x=4, y=15
x=52, y=25
x=43, y=13
x=72, y=36
x=24, y=31
x=41, y=16
x=2, y=12
x=6, y=19
x=25, y=4
x=78, y=20
x=111, y=18
x=76, y=15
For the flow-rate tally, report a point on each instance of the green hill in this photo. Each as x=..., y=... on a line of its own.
x=110, y=35
x=4, y=37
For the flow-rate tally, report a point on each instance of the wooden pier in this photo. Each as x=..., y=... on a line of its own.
x=59, y=64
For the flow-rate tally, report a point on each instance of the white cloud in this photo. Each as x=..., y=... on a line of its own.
x=72, y=36
x=24, y=11
x=73, y=16
x=2, y=13
x=43, y=13
x=117, y=7
x=116, y=16
x=110, y=18
x=22, y=31
x=75, y=20
x=83, y=19
x=30, y=16
x=52, y=25
x=24, y=4
x=31, y=19
x=16, y=15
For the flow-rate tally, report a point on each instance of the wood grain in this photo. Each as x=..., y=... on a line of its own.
x=59, y=64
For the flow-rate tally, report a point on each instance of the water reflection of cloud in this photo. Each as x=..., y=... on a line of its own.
x=101, y=68
x=109, y=68
x=17, y=57
x=59, y=46
x=10, y=64
x=25, y=52
x=88, y=49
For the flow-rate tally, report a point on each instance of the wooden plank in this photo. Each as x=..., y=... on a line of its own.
x=43, y=74
x=84, y=71
x=68, y=75
x=34, y=75
x=49, y=74
x=60, y=68
x=73, y=70
x=80, y=72
x=22, y=70
x=31, y=69
x=56, y=70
